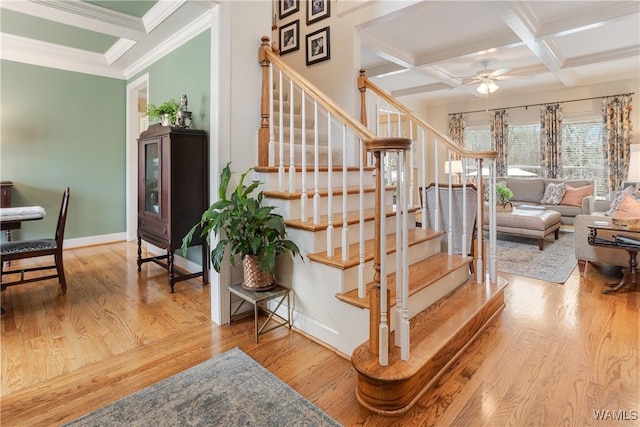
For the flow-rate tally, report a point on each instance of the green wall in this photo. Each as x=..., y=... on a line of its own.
x=60, y=129
x=186, y=70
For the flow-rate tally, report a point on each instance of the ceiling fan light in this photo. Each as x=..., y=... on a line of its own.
x=483, y=88
x=493, y=87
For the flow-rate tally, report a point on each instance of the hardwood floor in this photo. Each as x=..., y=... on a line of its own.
x=554, y=355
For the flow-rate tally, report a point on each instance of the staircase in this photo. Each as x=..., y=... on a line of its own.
x=333, y=213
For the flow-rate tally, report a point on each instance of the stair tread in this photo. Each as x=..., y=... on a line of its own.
x=421, y=275
x=353, y=217
x=429, y=330
x=323, y=192
x=415, y=236
x=311, y=168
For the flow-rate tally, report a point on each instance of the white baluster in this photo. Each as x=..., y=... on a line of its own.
x=292, y=167
x=450, y=207
x=361, y=282
x=383, y=328
x=316, y=173
x=403, y=325
x=436, y=215
x=479, y=224
x=345, y=223
x=281, y=139
x=330, y=248
x=423, y=177
x=304, y=196
x=412, y=164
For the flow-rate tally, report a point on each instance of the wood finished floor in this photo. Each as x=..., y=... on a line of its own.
x=552, y=357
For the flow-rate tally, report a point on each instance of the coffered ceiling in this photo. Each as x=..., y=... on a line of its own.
x=423, y=51
x=420, y=52
x=108, y=37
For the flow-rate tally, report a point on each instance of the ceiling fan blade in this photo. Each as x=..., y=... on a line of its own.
x=474, y=81
x=500, y=72
x=512, y=77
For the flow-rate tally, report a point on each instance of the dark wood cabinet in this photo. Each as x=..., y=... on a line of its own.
x=172, y=193
x=5, y=199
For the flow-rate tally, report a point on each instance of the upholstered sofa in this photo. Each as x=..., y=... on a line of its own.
x=532, y=191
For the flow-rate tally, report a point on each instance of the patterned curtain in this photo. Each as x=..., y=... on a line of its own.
x=456, y=131
x=616, y=134
x=551, y=140
x=499, y=137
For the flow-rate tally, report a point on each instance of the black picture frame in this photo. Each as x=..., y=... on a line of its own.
x=318, y=46
x=287, y=7
x=289, y=37
x=318, y=10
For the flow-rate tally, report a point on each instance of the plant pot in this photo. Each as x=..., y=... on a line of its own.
x=164, y=120
x=254, y=278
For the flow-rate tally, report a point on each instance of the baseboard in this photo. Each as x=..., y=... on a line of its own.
x=94, y=240
x=182, y=263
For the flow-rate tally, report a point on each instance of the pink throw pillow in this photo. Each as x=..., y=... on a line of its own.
x=629, y=207
x=573, y=196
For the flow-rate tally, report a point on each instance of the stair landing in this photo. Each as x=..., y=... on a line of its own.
x=439, y=335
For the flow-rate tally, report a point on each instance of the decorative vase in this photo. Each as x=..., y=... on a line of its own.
x=254, y=278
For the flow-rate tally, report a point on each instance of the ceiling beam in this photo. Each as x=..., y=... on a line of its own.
x=610, y=12
x=523, y=22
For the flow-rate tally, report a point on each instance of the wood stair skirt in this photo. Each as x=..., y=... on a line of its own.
x=439, y=335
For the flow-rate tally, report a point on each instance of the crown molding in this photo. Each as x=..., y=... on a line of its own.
x=159, y=12
x=82, y=15
x=202, y=23
x=118, y=49
x=35, y=52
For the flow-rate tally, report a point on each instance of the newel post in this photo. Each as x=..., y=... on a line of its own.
x=264, y=132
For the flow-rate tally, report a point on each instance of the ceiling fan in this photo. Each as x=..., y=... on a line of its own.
x=487, y=78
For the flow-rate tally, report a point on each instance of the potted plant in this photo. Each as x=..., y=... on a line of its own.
x=251, y=231
x=504, y=193
x=165, y=113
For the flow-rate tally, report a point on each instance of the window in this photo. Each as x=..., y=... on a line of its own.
x=582, y=153
x=524, y=150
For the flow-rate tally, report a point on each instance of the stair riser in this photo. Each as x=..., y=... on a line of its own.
x=297, y=119
x=429, y=295
x=397, y=397
x=309, y=135
x=291, y=209
x=416, y=253
x=313, y=242
x=270, y=180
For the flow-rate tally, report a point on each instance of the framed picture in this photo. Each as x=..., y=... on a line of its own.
x=287, y=7
x=318, y=46
x=290, y=37
x=317, y=10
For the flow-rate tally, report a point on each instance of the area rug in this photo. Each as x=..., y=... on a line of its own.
x=228, y=390
x=521, y=256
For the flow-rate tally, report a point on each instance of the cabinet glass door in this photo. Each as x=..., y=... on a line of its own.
x=151, y=178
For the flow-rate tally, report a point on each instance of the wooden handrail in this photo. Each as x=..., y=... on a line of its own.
x=364, y=83
x=267, y=54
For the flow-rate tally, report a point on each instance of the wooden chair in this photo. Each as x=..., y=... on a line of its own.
x=22, y=249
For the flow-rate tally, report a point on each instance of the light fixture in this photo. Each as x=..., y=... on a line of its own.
x=634, y=164
x=486, y=88
x=454, y=167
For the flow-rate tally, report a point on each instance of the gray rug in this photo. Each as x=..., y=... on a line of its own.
x=520, y=255
x=229, y=390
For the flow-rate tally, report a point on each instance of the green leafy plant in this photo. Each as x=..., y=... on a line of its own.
x=170, y=107
x=249, y=227
x=504, y=193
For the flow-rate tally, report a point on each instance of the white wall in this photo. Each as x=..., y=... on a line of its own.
x=237, y=28
x=337, y=77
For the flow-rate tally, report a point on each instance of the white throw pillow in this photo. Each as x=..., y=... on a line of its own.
x=553, y=194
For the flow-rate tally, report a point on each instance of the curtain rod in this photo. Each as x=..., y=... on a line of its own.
x=544, y=103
